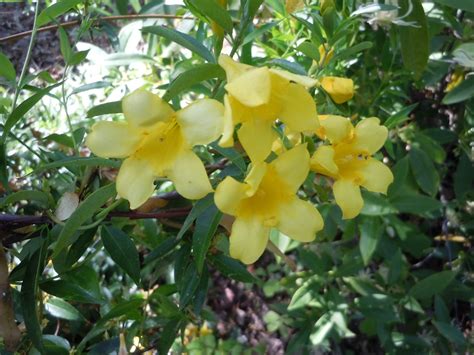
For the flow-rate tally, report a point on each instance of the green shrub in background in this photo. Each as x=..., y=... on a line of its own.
x=81, y=272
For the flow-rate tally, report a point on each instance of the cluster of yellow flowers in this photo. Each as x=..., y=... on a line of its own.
x=157, y=142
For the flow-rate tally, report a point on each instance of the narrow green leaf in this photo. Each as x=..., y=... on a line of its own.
x=61, y=309
x=168, y=335
x=215, y=12
x=466, y=5
x=206, y=226
x=55, y=10
x=91, y=86
x=258, y=32
x=232, y=268
x=188, y=284
x=462, y=92
x=170, y=243
x=423, y=169
x=78, y=57
x=122, y=250
x=27, y=195
x=463, y=177
x=441, y=311
x=352, y=51
x=182, y=39
x=400, y=117
x=400, y=174
x=370, y=233
x=432, y=285
x=450, y=332
x=84, y=212
x=415, y=203
x=69, y=291
x=76, y=162
x=414, y=40
x=29, y=292
x=192, y=77
x=64, y=44
x=7, y=70
x=23, y=108
x=309, y=50
x=105, y=109
x=118, y=59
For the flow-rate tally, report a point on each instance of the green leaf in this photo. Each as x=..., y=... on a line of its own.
x=464, y=55
x=370, y=232
x=205, y=227
x=29, y=293
x=462, y=92
x=258, y=32
x=61, y=309
x=27, y=195
x=232, y=268
x=78, y=57
x=105, y=109
x=423, y=169
x=69, y=291
x=463, y=177
x=76, y=162
x=352, y=51
x=414, y=40
x=450, y=332
x=84, y=212
x=64, y=44
x=118, y=59
x=466, y=5
x=7, y=70
x=214, y=11
x=192, y=77
x=188, y=284
x=122, y=250
x=441, y=311
x=91, y=86
x=55, y=10
x=23, y=108
x=168, y=335
x=415, y=203
x=432, y=285
x=309, y=50
x=400, y=117
x=182, y=39
x=170, y=243
x=400, y=174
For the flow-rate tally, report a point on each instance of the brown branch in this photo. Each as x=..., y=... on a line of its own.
x=74, y=23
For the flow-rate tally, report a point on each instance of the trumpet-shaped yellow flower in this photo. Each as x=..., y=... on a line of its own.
x=348, y=160
x=256, y=98
x=267, y=199
x=340, y=89
x=157, y=142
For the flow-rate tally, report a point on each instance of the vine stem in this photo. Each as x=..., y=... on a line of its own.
x=73, y=23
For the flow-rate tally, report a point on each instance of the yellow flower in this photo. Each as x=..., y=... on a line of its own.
x=340, y=89
x=267, y=199
x=325, y=55
x=256, y=98
x=456, y=78
x=348, y=160
x=157, y=142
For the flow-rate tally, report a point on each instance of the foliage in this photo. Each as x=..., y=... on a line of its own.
x=87, y=274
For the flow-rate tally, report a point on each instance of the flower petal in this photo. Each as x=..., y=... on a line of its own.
x=335, y=128
x=299, y=109
x=306, y=81
x=323, y=162
x=293, y=166
x=369, y=135
x=112, y=139
x=340, y=89
x=232, y=68
x=300, y=220
x=189, y=176
x=227, y=139
x=252, y=88
x=228, y=195
x=255, y=176
x=257, y=136
x=377, y=176
x=348, y=198
x=248, y=239
x=201, y=122
x=143, y=108
x=135, y=181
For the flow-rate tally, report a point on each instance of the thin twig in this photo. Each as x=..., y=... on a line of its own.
x=74, y=23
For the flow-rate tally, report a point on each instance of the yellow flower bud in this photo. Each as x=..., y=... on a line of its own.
x=325, y=55
x=340, y=89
